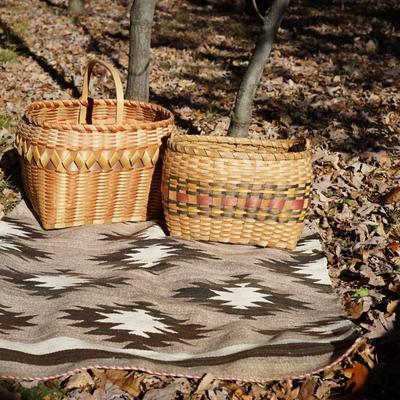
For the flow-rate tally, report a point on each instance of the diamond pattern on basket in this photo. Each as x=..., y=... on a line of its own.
x=87, y=160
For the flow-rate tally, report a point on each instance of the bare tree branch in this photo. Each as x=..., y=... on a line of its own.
x=241, y=118
x=257, y=10
x=142, y=15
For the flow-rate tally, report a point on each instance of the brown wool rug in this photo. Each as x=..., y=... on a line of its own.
x=127, y=296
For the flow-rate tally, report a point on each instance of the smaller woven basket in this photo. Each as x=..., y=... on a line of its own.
x=236, y=190
x=93, y=161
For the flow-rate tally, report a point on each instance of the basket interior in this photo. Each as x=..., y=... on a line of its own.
x=102, y=112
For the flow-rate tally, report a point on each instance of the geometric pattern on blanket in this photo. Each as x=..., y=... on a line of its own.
x=126, y=295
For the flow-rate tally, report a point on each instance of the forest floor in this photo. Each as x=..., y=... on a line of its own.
x=333, y=78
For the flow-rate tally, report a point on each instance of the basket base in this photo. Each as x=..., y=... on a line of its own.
x=283, y=235
x=48, y=226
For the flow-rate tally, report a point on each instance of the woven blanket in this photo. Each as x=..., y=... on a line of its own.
x=128, y=296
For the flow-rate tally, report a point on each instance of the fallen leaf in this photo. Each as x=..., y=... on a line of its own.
x=307, y=389
x=170, y=391
x=239, y=394
x=393, y=196
x=285, y=120
x=367, y=353
x=380, y=326
x=89, y=396
x=373, y=280
x=80, y=380
x=395, y=286
x=394, y=247
x=354, y=308
x=127, y=381
x=371, y=46
x=358, y=375
x=392, y=306
x=29, y=384
x=207, y=383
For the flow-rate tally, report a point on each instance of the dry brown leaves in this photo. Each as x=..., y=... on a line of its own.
x=331, y=78
x=357, y=375
x=100, y=384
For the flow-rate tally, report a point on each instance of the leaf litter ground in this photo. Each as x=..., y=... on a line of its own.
x=331, y=78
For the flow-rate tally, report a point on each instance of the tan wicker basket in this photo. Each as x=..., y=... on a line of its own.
x=91, y=161
x=236, y=190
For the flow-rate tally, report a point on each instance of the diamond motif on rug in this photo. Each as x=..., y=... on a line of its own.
x=9, y=230
x=242, y=296
x=148, y=257
x=149, y=249
x=58, y=282
x=15, y=238
x=307, y=263
x=137, y=322
x=139, y=325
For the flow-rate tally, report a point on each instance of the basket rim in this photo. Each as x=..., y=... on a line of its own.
x=197, y=145
x=91, y=128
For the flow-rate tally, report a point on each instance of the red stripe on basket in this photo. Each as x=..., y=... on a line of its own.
x=277, y=203
x=229, y=201
x=165, y=191
x=182, y=197
x=297, y=204
x=204, y=200
x=253, y=202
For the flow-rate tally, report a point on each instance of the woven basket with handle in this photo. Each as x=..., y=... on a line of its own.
x=92, y=161
x=235, y=190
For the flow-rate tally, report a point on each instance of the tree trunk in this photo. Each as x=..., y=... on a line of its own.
x=241, y=118
x=76, y=7
x=142, y=15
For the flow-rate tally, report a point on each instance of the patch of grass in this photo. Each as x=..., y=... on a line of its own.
x=361, y=292
x=21, y=27
x=40, y=391
x=7, y=121
x=181, y=18
x=349, y=202
x=8, y=196
x=74, y=20
x=238, y=29
x=7, y=55
x=170, y=28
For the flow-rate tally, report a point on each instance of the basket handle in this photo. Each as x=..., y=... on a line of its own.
x=85, y=90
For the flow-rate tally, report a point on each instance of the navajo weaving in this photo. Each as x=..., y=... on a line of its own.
x=126, y=295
